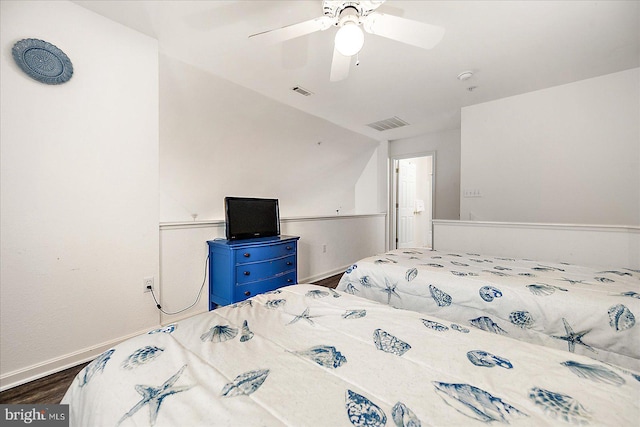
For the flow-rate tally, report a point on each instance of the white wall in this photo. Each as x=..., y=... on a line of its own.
x=372, y=186
x=327, y=246
x=606, y=246
x=219, y=139
x=367, y=185
x=567, y=154
x=79, y=190
x=446, y=146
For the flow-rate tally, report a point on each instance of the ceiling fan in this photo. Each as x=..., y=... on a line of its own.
x=349, y=16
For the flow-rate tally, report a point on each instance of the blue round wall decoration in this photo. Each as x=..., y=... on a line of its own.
x=42, y=61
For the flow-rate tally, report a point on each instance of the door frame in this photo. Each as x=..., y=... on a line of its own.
x=393, y=193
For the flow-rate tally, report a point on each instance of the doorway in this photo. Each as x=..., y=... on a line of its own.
x=412, y=204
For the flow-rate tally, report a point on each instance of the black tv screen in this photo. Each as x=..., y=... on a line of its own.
x=248, y=218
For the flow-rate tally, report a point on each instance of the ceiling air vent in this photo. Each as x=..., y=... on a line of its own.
x=301, y=91
x=392, y=123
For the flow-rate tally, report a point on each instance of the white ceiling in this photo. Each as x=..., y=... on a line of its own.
x=512, y=47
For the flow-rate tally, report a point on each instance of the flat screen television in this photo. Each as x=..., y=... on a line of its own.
x=249, y=218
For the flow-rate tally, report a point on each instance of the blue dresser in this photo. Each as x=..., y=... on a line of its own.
x=239, y=269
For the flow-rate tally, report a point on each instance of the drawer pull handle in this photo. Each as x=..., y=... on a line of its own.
x=247, y=293
x=246, y=273
x=289, y=248
x=289, y=280
x=289, y=263
x=247, y=254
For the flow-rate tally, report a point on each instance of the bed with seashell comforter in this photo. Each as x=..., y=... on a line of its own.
x=584, y=310
x=305, y=355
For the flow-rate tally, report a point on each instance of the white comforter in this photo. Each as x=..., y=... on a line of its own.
x=590, y=311
x=309, y=356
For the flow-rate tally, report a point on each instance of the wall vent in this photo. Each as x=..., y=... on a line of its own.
x=392, y=123
x=301, y=91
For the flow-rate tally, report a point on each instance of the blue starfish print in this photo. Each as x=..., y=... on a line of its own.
x=154, y=397
x=305, y=315
x=390, y=290
x=573, y=338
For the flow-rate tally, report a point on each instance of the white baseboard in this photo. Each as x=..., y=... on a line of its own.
x=324, y=275
x=40, y=370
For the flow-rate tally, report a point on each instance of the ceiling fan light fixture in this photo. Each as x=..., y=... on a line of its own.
x=349, y=39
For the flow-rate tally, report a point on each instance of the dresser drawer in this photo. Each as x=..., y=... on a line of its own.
x=240, y=269
x=247, y=290
x=255, y=271
x=261, y=253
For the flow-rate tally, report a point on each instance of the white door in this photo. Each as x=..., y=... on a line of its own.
x=406, y=203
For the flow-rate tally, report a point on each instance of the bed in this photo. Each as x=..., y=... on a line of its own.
x=589, y=311
x=306, y=355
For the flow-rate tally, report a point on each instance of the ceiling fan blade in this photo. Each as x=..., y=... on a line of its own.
x=294, y=30
x=339, y=66
x=404, y=30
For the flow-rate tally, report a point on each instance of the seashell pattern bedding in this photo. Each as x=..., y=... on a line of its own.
x=324, y=358
x=583, y=310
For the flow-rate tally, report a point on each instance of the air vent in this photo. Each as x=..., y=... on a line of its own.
x=301, y=91
x=392, y=123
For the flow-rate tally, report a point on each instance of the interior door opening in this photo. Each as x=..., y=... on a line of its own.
x=412, y=202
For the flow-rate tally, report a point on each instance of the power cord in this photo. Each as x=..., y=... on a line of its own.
x=204, y=280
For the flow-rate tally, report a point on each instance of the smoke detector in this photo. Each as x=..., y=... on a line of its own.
x=465, y=75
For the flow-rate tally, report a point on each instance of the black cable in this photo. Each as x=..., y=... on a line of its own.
x=204, y=280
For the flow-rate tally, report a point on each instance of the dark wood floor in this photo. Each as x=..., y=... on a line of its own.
x=47, y=390
x=329, y=282
x=51, y=388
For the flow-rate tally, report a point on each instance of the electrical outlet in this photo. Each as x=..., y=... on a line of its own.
x=324, y=249
x=472, y=193
x=148, y=282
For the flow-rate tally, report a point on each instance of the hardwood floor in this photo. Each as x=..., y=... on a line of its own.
x=329, y=282
x=51, y=388
x=47, y=390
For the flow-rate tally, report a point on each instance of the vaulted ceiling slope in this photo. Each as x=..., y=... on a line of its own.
x=512, y=47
